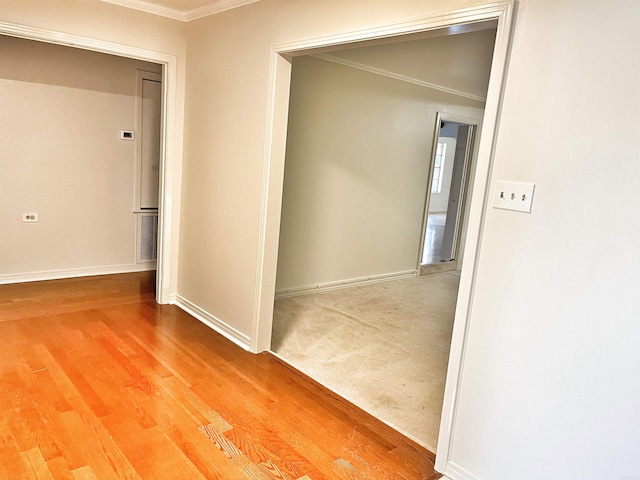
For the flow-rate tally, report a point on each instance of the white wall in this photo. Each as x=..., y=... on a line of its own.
x=551, y=373
x=356, y=171
x=61, y=113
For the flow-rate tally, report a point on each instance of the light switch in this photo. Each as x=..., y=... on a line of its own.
x=513, y=196
x=30, y=217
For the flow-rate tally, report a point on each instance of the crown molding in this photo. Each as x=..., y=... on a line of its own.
x=204, y=11
x=150, y=8
x=216, y=7
x=385, y=73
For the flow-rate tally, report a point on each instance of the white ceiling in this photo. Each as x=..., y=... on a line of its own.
x=183, y=10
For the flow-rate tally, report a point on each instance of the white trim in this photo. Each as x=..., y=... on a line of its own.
x=456, y=472
x=351, y=282
x=74, y=272
x=170, y=156
x=471, y=161
x=216, y=7
x=264, y=199
x=396, y=76
x=151, y=8
x=502, y=11
x=438, y=21
x=182, y=16
x=212, y=321
x=271, y=201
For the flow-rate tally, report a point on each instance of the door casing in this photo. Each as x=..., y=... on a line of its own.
x=170, y=159
x=467, y=167
x=502, y=13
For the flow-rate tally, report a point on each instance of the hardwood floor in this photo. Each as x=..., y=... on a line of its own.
x=99, y=382
x=433, y=251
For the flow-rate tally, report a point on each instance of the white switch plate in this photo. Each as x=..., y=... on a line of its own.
x=513, y=196
x=30, y=217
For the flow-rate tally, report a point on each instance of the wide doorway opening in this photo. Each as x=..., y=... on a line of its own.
x=89, y=126
x=351, y=309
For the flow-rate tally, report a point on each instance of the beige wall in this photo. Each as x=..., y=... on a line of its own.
x=459, y=62
x=227, y=89
x=356, y=170
x=552, y=351
x=550, y=374
x=98, y=20
x=61, y=113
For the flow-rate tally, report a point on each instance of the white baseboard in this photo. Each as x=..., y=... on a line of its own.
x=213, y=322
x=173, y=299
x=456, y=472
x=74, y=272
x=352, y=282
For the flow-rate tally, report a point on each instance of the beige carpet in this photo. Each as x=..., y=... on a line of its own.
x=384, y=347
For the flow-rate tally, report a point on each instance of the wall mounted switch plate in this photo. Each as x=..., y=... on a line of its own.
x=30, y=217
x=513, y=196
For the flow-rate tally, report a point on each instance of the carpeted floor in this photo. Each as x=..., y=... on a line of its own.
x=384, y=347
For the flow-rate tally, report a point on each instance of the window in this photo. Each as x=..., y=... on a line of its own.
x=438, y=168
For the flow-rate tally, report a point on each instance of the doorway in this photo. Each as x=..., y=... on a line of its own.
x=341, y=184
x=169, y=156
x=444, y=220
x=280, y=78
x=147, y=164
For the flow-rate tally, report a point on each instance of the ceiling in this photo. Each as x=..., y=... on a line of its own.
x=183, y=10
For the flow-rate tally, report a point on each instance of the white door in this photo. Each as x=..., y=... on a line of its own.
x=151, y=117
x=456, y=192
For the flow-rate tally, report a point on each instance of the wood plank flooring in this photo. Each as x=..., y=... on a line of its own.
x=99, y=382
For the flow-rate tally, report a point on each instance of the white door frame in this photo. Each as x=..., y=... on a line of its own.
x=273, y=175
x=476, y=131
x=169, y=161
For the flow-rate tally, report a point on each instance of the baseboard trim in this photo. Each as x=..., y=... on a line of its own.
x=352, y=282
x=213, y=322
x=74, y=272
x=456, y=472
x=173, y=299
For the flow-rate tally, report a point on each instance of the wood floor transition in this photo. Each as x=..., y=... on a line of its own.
x=98, y=381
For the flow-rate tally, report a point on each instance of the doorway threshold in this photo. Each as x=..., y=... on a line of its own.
x=438, y=267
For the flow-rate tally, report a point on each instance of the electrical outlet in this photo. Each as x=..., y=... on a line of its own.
x=30, y=217
x=513, y=196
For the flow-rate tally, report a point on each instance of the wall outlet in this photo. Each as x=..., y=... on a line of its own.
x=30, y=217
x=513, y=196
